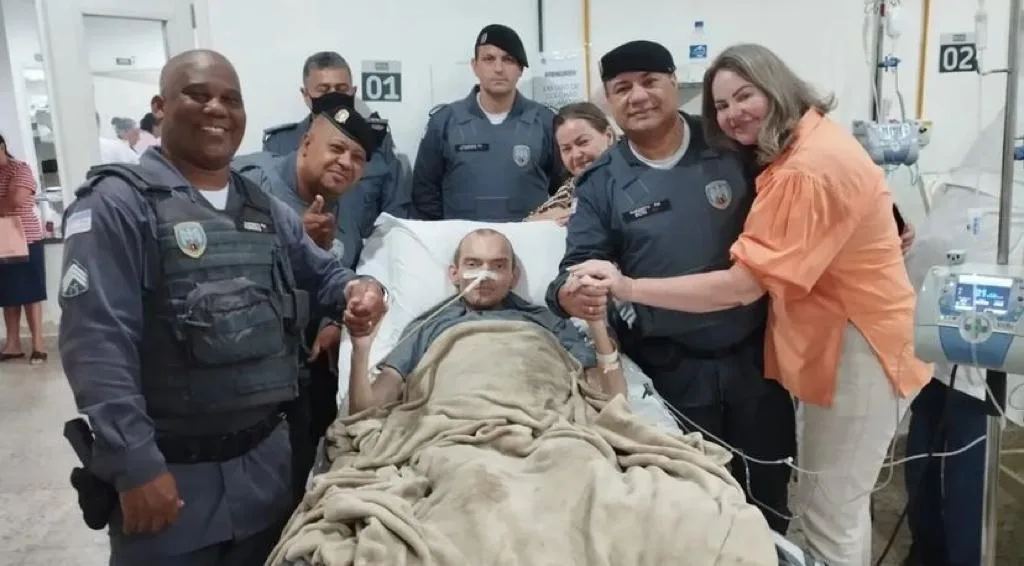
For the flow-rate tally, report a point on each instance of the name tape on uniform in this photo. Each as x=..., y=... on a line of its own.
x=78, y=223
x=75, y=281
x=250, y=226
x=647, y=210
x=473, y=147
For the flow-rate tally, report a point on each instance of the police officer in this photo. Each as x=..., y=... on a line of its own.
x=490, y=156
x=385, y=186
x=332, y=156
x=181, y=295
x=661, y=203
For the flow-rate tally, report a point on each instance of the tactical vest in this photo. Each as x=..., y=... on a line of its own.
x=223, y=318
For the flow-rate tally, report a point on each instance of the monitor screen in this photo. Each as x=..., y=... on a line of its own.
x=983, y=293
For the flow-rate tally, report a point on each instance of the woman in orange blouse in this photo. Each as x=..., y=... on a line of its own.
x=821, y=240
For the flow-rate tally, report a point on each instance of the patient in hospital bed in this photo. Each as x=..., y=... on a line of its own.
x=482, y=251
x=483, y=442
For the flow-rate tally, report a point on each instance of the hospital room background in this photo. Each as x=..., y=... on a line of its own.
x=65, y=63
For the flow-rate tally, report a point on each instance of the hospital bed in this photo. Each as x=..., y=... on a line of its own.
x=411, y=259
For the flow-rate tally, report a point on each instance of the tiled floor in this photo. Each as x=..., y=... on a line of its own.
x=40, y=523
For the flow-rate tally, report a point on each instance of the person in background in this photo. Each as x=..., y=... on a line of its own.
x=184, y=386
x=126, y=130
x=944, y=494
x=583, y=133
x=821, y=241
x=313, y=182
x=115, y=151
x=662, y=203
x=490, y=156
x=23, y=284
x=149, y=133
x=384, y=186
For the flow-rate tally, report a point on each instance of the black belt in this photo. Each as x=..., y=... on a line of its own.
x=216, y=447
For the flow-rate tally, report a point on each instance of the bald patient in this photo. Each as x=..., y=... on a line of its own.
x=184, y=293
x=481, y=251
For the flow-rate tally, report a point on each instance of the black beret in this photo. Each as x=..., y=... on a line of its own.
x=340, y=110
x=636, y=56
x=504, y=38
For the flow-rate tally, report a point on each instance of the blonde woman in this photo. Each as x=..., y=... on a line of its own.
x=583, y=133
x=822, y=242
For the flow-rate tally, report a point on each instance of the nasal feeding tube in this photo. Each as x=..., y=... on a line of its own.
x=478, y=276
x=475, y=278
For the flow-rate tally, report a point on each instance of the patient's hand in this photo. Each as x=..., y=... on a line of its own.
x=365, y=306
x=362, y=344
x=586, y=302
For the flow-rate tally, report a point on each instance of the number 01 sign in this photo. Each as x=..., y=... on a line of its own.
x=382, y=81
x=958, y=53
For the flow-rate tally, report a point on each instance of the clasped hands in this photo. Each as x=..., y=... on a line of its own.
x=364, y=307
x=585, y=293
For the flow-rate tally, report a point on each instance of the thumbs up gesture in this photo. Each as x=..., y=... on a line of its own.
x=319, y=226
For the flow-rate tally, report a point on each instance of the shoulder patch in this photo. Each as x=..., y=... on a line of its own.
x=75, y=281
x=79, y=222
x=436, y=109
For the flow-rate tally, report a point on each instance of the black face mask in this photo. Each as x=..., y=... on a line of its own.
x=331, y=100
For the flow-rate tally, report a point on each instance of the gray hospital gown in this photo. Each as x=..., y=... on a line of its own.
x=405, y=357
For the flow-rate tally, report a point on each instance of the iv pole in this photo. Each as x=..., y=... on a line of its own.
x=997, y=379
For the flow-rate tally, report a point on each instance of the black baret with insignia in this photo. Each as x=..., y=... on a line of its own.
x=636, y=56
x=339, y=109
x=504, y=38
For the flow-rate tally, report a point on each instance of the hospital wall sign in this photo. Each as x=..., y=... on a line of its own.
x=958, y=53
x=382, y=81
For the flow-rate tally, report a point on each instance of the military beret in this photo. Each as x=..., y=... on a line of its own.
x=340, y=110
x=504, y=38
x=636, y=56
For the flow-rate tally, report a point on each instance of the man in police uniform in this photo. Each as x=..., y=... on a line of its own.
x=181, y=295
x=490, y=156
x=385, y=187
x=660, y=187
x=313, y=180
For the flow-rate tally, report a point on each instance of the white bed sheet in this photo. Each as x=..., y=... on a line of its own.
x=411, y=258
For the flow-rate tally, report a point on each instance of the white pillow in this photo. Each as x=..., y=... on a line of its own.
x=411, y=259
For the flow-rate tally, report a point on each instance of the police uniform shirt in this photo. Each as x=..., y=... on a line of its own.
x=407, y=355
x=277, y=175
x=664, y=223
x=105, y=271
x=285, y=138
x=468, y=168
x=384, y=187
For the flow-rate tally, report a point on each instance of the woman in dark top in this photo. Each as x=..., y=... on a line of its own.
x=583, y=133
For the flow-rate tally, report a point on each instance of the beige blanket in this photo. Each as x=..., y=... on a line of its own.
x=502, y=456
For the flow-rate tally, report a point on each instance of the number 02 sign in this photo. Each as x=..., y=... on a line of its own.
x=958, y=53
x=382, y=81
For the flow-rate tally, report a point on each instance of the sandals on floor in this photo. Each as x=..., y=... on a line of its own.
x=37, y=357
x=9, y=357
